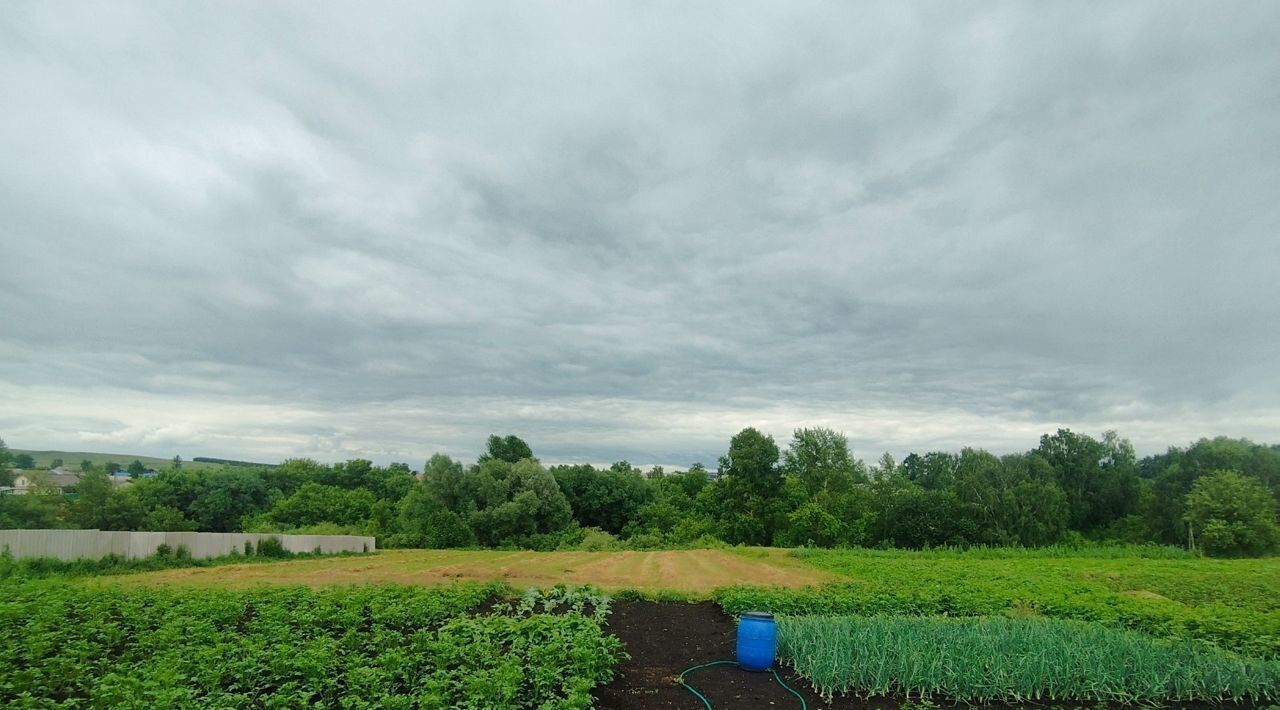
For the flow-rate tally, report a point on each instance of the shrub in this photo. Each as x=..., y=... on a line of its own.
x=271, y=547
x=597, y=540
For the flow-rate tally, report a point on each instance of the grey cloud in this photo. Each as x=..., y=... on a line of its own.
x=630, y=230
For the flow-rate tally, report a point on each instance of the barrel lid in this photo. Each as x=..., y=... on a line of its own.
x=755, y=615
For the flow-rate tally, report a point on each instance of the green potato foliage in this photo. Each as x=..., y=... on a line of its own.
x=71, y=646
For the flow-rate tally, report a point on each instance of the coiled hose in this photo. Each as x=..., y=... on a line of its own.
x=703, y=698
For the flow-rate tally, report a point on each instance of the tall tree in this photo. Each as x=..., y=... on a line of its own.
x=821, y=460
x=746, y=501
x=934, y=471
x=90, y=506
x=1098, y=477
x=509, y=448
x=753, y=460
x=1232, y=514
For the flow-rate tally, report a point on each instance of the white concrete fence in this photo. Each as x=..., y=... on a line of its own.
x=96, y=544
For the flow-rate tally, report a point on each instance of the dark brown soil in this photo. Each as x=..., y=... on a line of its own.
x=665, y=639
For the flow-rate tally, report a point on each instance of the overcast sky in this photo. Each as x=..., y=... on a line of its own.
x=260, y=230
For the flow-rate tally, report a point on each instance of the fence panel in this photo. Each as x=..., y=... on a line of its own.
x=96, y=544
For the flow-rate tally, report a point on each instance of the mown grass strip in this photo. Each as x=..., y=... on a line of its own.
x=986, y=659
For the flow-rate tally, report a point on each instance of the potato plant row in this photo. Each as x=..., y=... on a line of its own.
x=65, y=645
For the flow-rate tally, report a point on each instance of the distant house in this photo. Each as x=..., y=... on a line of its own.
x=56, y=478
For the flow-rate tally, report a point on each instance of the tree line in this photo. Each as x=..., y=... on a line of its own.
x=1218, y=495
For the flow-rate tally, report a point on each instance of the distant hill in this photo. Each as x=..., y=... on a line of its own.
x=71, y=460
x=233, y=462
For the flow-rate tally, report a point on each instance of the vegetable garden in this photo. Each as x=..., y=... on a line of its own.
x=1140, y=625
x=391, y=647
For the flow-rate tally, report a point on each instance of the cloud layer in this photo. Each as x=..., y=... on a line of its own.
x=629, y=230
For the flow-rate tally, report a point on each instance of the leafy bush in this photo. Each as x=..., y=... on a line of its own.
x=597, y=540
x=271, y=547
x=997, y=658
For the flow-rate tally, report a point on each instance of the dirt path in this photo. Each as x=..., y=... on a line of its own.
x=689, y=571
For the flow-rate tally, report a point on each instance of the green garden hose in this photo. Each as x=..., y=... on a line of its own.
x=703, y=698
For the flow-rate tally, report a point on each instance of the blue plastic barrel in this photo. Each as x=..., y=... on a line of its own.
x=757, y=640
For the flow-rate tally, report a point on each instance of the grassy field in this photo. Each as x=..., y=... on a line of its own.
x=71, y=460
x=684, y=571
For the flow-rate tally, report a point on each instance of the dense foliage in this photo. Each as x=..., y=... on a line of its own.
x=1020, y=659
x=1230, y=603
x=1216, y=495
x=359, y=647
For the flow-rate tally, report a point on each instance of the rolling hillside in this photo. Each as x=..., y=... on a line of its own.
x=71, y=459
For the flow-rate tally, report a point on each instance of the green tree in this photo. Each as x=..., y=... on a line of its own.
x=747, y=502
x=177, y=462
x=603, y=499
x=446, y=480
x=89, y=510
x=531, y=504
x=1099, y=477
x=753, y=461
x=292, y=473
x=86, y=465
x=424, y=521
x=820, y=458
x=934, y=471
x=32, y=511
x=226, y=496
x=24, y=461
x=885, y=467
x=1232, y=514
x=112, y=468
x=56, y=463
x=912, y=517
x=509, y=448
x=122, y=511
x=5, y=455
x=315, y=503
x=1172, y=474
x=167, y=519
x=812, y=524
x=136, y=469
